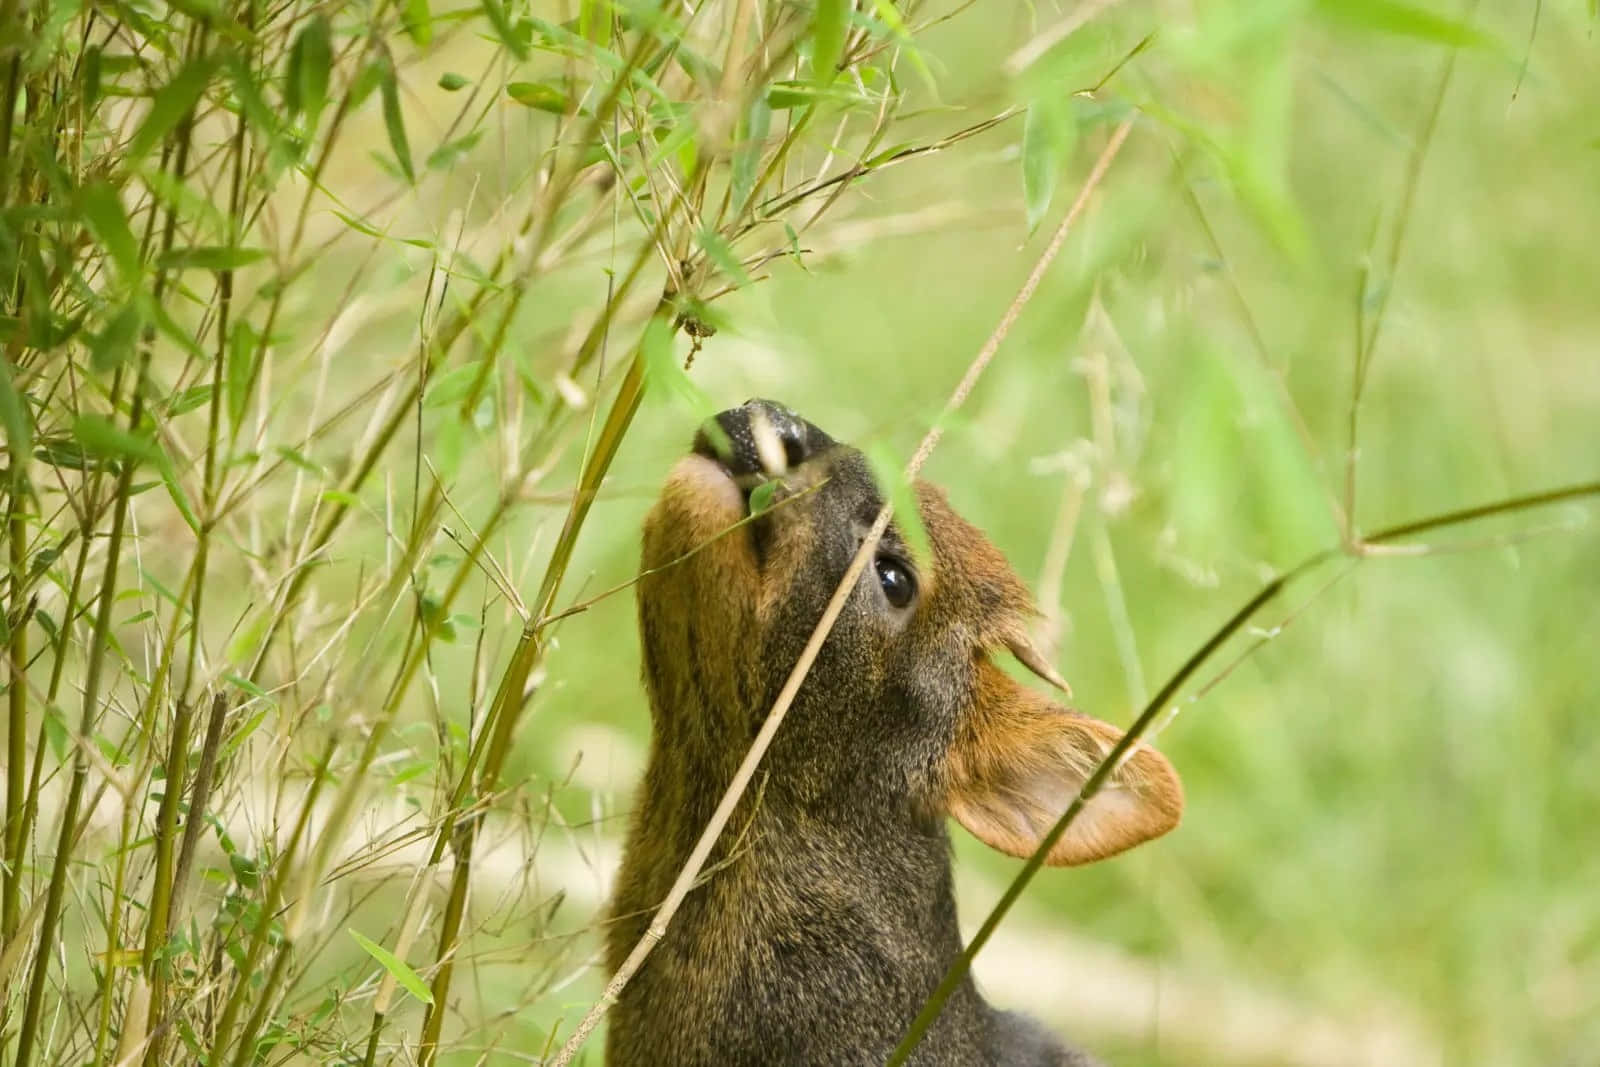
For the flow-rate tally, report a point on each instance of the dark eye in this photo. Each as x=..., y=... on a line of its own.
x=895, y=578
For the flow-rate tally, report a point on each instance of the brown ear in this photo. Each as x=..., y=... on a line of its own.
x=1019, y=760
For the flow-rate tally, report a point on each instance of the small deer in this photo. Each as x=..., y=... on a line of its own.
x=827, y=916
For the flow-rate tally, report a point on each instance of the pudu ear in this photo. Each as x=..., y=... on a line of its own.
x=1019, y=759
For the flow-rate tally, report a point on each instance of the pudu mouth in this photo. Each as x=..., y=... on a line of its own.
x=754, y=446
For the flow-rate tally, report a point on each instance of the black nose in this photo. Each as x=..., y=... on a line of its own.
x=762, y=426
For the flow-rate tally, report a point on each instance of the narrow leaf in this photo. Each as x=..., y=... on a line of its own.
x=397, y=968
x=1406, y=20
x=540, y=96
x=102, y=210
x=210, y=257
x=14, y=417
x=418, y=21
x=172, y=102
x=827, y=39
x=504, y=30
x=100, y=436
x=891, y=476
x=1048, y=135
x=310, y=68
x=114, y=344
x=395, y=122
x=722, y=254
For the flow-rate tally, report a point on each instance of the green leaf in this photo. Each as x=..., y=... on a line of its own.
x=196, y=396
x=210, y=257
x=540, y=96
x=91, y=75
x=663, y=373
x=100, y=436
x=248, y=686
x=891, y=476
x=504, y=30
x=172, y=102
x=749, y=148
x=418, y=21
x=761, y=496
x=452, y=386
x=102, y=210
x=114, y=344
x=242, y=346
x=310, y=69
x=827, y=40
x=447, y=154
x=395, y=122
x=722, y=254
x=262, y=116
x=1048, y=136
x=245, y=869
x=450, y=81
x=786, y=94
x=397, y=968
x=1406, y=20
x=180, y=499
x=14, y=417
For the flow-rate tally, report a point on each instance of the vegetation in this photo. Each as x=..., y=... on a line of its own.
x=345, y=344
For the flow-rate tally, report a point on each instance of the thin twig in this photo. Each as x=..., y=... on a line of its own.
x=741, y=779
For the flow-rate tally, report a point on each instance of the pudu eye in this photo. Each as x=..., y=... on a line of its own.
x=899, y=587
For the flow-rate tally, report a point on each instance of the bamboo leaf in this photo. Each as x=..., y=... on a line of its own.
x=394, y=121
x=397, y=968
x=418, y=21
x=310, y=69
x=114, y=344
x=102, y=210
x=504, y=30
x=172, y=102
x=1048, y=136
x=211, y=257
x=539, y=96
x=891, y=476
x=827, y=39
x=1406, y=20
x=14, y=417
x=101, y=437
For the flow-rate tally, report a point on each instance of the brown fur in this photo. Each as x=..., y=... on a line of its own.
x=829, y=916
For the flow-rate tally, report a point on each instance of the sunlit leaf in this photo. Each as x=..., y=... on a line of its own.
x=827, y=39
x=418, y=21
x=1406, y=20
x=540, y=96
x=397, y=968
x=450, y=81
x=210, y=257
